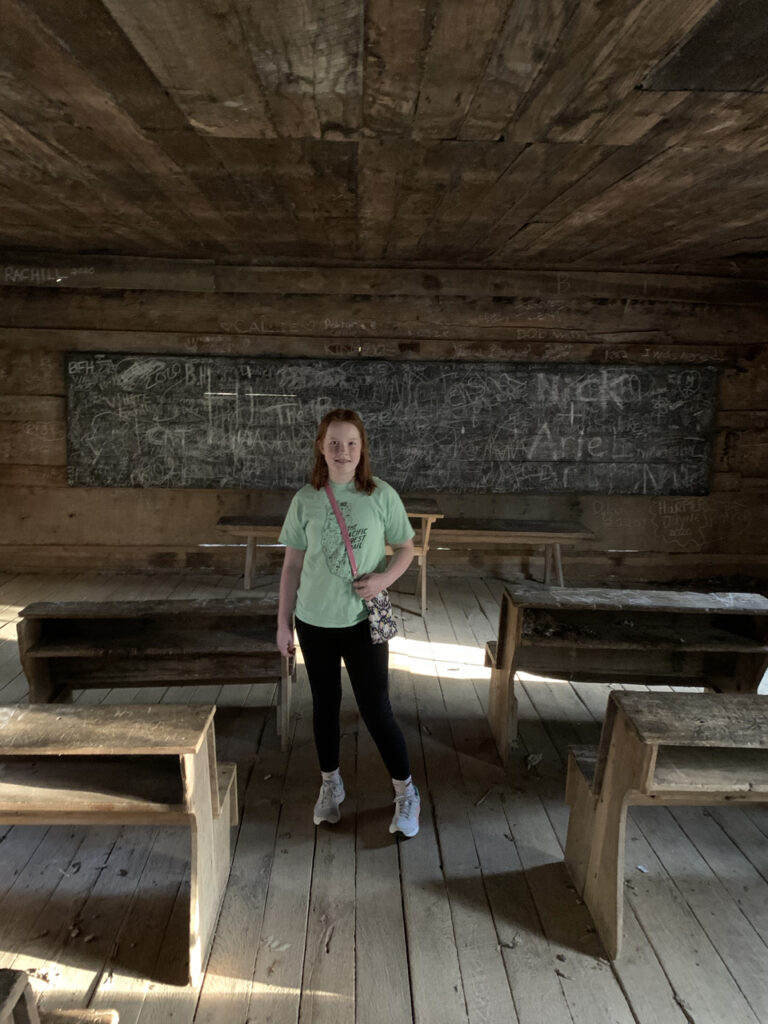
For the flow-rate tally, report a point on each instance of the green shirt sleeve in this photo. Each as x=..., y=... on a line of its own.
x=294, y=531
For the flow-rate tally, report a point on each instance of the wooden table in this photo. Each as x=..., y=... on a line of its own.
x=127, y=765
x=636, y=636
x=528, y=533
x=266, y=529
x=656, y=748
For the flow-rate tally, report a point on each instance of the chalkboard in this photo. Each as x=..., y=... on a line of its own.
x=464, y=427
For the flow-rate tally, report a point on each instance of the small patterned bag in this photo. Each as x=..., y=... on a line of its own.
x=381, y=618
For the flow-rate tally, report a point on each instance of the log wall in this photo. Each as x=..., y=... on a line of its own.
x=51, y=305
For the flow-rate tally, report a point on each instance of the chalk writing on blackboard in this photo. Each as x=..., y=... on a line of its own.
x=237, y=422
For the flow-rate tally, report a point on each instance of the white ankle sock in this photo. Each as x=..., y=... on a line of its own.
x=402, y=785
x=333, y=776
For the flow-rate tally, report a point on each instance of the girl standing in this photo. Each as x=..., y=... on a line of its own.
x=331, y=616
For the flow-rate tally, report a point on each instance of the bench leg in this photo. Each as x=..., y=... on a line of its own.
x=502, y=710
x=17, y=1001
x=626, y=768
x=578, y=843
x=250, y=552
x=553, y=565
x=209, y=861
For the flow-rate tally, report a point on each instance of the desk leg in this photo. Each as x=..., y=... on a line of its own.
x=209, y=861
x=553, y=565
x=502, y=710
x=250, y=552
x=626, y=769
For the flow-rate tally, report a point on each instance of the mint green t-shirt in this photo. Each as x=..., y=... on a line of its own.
x=326, y=596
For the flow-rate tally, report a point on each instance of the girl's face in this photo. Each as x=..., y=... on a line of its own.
x=341, y=448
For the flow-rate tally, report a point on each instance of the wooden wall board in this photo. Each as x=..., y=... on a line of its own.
x=29, y=409
x=86, y=273
x=412, y=317
x=33, y=443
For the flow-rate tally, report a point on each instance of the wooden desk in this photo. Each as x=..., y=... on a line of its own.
x=131, y=765
x=526, y=533
x=70, y=645
x=265, y=529
x=638, y=636
x=656, y=748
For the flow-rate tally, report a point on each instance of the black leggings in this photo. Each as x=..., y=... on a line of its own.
x=368, y=669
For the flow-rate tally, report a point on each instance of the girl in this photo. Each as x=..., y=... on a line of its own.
x=331, y=616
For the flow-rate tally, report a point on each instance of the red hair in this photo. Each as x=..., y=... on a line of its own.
x=363, y=476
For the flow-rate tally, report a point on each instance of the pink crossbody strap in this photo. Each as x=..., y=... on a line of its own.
x=343, y=528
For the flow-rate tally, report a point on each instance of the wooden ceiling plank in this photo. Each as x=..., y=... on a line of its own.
x=93, y=37
x=595, y=219
x=732, y=121
x=728, y=52
x=553, y=220
x=656, y=26
x=480, y=216
x=633, y=119
x=725, y=192
x=196, y=50
x=308, y=58
x=292, y=180
x=483, y=165
x=384, y=164
x=396, y=40
x=84, y=111
x=433, y=185
x=39, y=170
x=678, y=238
x=99, y=45
x=527, y=37
x=542, y=173
x=460, y=46
x=592, y=66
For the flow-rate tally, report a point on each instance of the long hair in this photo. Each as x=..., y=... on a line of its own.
x=363, y=476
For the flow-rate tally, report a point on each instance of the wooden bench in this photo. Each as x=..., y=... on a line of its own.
x=638, y=636
x=85, y=644
x=518, y=533
x=265, y=529
x=129, y=765
x=18, y=1005
x=656, y=748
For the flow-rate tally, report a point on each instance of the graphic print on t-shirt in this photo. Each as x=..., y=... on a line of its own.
x=334, y=548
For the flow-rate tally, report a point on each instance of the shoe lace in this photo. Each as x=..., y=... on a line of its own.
x=328, y=792
x=405, y=802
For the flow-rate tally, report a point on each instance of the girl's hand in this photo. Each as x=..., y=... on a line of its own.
x=285, y=641
x=369, y=586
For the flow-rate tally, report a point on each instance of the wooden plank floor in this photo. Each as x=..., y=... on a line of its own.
x=472, y=922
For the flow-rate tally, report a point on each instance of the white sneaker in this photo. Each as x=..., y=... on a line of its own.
x=406, y=817
x=327, y=806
